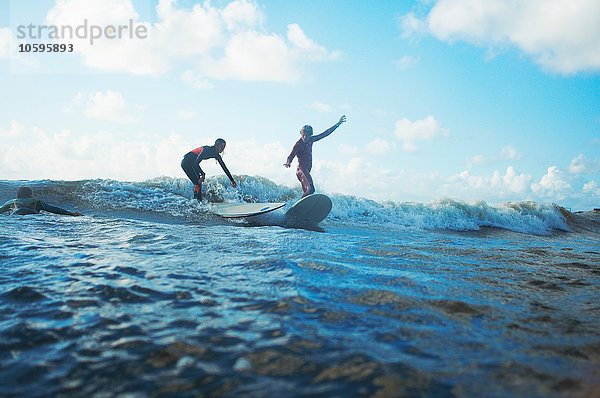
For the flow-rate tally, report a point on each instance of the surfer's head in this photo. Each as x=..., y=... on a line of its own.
x=24, y=192
x=306, y=132
x=220, y=145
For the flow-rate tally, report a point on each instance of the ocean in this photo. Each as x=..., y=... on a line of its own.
x=150, y=295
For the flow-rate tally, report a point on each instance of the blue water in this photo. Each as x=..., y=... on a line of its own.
x=149, y=294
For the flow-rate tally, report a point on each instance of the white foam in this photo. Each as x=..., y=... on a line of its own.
x=173, y=197
x=526, y=217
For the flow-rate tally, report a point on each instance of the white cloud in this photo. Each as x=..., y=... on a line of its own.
x=138, y=57
x=9, y=50
x=194, y=79
x=251, y=56
x=140, y=155
x=466, y=180
x=510, y=153
x=70, y=156
x=552, y=185
x=77, y=102
x=510, y=185
x=109, y=105
x=184, y=32
x=14, y=130
x=511, y=182
x=348, y=177
x=256, y=56
x=4, y=42
x=379, y=147
x=305, y=47
x=561, y=36
x=591, y=187
x=348, y=150
x=577, y=165
x=241, y=15
x=411, y=26
x=252, y=157
x=133, y=55
x=420, y=130
x=406, y=62
x=213, y=43
x=100, y=12
x=581, y=165
x=321, y=107
x=477, y=160
x=506, y=153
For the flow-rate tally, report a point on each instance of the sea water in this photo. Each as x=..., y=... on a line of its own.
x=149, y=294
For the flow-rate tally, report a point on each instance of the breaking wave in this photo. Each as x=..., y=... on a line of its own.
x=171, y=198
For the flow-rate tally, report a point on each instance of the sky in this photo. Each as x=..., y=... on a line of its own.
x=492, y=101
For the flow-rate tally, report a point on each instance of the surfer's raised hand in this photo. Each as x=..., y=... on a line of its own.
x=342, y=120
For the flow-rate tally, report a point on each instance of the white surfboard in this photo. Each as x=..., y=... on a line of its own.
x=241, y=210
x=309, y=211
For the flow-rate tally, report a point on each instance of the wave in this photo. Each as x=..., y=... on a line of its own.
x=525, y=217
x=172, y=198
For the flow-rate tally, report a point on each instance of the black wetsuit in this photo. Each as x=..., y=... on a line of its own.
x=303, y=150
x=22, y=206
x=191, y=165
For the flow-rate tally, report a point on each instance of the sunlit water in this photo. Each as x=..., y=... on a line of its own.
x=155, y=302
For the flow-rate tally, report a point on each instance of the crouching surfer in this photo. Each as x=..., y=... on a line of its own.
x=191, y=165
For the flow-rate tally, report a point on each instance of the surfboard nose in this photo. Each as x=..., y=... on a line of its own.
x=309, y=211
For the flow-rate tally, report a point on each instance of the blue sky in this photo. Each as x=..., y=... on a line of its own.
x=496, y=101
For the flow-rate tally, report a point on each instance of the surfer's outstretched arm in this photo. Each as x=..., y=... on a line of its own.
x=329, y=130
x=226, y=170
x=56, y=210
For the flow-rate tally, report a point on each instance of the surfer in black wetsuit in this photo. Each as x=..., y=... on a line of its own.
x=303, y=150
x=26, y=204
x=191, y=165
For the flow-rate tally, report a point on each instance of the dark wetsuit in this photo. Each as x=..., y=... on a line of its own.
x=24, y=206
x=303, y=150
x=191, y=165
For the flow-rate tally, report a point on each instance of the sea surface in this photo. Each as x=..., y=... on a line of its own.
x=150, y=295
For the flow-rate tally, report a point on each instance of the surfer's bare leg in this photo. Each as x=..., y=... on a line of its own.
x=306, y=180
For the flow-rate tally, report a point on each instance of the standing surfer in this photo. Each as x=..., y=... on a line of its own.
x=191, y=165
x=303, y=150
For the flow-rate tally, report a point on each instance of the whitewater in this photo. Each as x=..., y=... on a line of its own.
x=150, y=294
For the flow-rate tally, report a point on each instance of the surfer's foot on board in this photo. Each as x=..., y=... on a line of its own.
x=197, y=193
